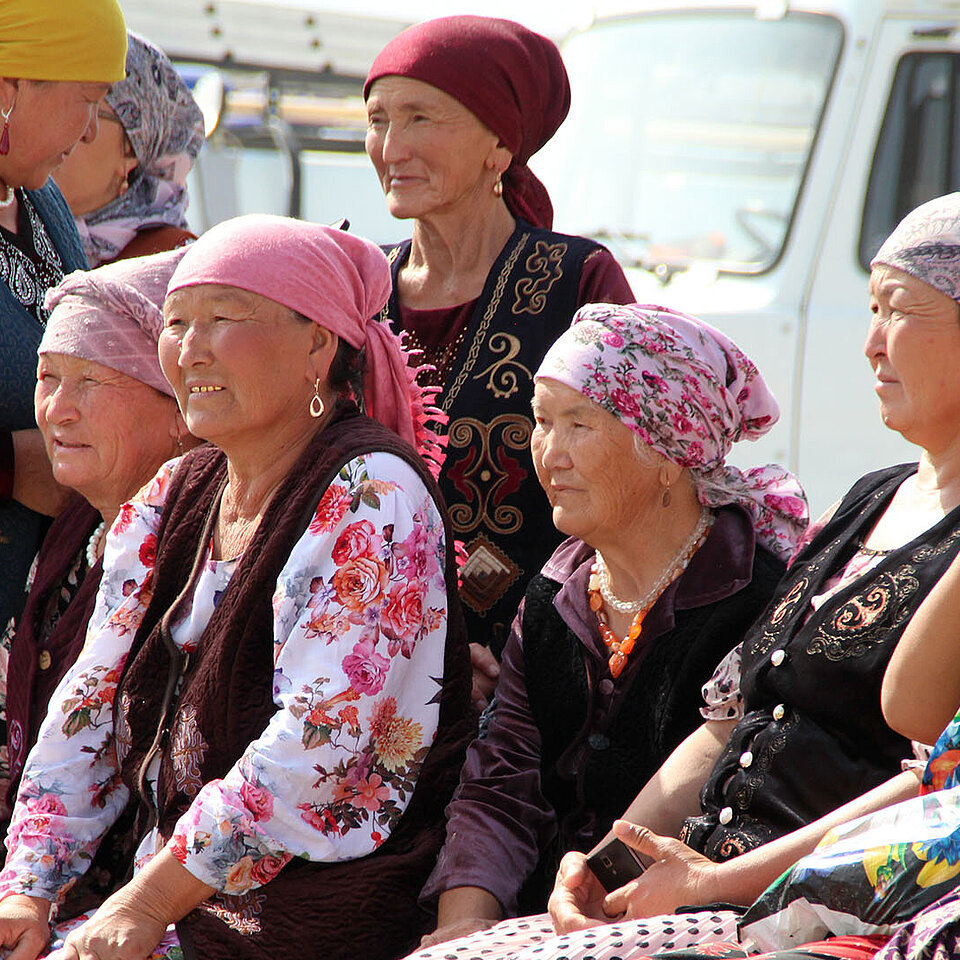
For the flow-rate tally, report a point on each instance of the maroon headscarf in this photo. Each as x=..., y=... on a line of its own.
x=512, y=79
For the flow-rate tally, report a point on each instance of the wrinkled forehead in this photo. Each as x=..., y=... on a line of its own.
x=212, y=296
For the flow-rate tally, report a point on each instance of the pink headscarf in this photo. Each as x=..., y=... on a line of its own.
x=113, y=315
x=688, y=391
x=338, y=281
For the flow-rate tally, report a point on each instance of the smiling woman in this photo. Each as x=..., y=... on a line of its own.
x=276, y=677
x=456, y=107
x=58, y=62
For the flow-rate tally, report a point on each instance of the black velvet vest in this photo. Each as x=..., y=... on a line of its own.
x=813, y=735
x=603, y=739
x=365, y=907
x=497, y=507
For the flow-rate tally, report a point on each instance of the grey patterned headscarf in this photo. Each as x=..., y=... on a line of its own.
x=926, y=244
x=165, y=127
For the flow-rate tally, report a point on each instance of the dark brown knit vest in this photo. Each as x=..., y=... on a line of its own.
x=365, y=907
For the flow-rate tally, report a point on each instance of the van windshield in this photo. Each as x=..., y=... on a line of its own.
x=689, y=134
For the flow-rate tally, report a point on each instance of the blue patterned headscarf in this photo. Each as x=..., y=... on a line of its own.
x=926, y=244
x=165, y=127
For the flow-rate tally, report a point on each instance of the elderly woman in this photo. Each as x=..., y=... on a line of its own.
x=672, y=554
x=58, y=62
x=456, y=108
x=109, y=421
x=275, y=674
x=812, y=749
x=127, y=189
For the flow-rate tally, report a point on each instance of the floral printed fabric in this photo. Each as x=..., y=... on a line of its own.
x=689, y=392
x=926, y=244
x=360, y=628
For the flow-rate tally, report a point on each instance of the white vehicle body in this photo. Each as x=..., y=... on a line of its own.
x=742, y=180
x=743, y=161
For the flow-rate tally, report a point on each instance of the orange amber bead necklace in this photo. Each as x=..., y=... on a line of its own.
x=599, y=591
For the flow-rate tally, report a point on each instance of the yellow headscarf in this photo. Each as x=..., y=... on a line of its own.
x=78, y=40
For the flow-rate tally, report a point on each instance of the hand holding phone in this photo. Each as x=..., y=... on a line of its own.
x=615, y=864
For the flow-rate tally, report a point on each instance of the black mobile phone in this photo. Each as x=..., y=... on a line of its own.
x=615, y=864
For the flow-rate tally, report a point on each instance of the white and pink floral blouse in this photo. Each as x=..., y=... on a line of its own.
x=360, y=622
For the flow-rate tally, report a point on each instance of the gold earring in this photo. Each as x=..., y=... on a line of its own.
x=316, y=404
x=498, y=185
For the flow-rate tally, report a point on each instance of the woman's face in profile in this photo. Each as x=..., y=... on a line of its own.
x=47, y=122
x=106, y=433
x=430, y=152
x=94, y=174
x=913, y=346
x=587, y=464
x=238, y=363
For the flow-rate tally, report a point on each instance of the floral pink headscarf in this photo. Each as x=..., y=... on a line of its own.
x=688, y=391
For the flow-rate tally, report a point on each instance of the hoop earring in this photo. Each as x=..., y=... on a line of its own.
x=498, y=185
x=316, y=404
x=5, y=136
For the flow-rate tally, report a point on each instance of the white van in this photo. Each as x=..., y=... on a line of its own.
x=745, y=162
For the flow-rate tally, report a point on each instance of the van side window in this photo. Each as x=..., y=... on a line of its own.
x=918, y=151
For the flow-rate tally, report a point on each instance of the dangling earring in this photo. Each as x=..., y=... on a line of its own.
x=124, y=187
x=316, y=404
x=5, y=136
x=498, y=185
x=666, y=498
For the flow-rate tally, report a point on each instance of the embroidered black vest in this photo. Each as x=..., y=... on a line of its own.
x=497, y=508
x=225, y=700
x=600, y=740
x=813, y=735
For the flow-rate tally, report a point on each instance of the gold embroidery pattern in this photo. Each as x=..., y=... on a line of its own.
x=503, y=381
x=384, y=314
x=544, y=263
x=487, y=574
x=863, y=622
x=122, y=734
x=484, y=326
x=240, y=913
x=187, y=749
x=484, y=478
x=771, y=632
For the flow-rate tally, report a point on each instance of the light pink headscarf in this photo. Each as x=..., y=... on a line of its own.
x=113, y=315
x=688, y=391
x=338, y=281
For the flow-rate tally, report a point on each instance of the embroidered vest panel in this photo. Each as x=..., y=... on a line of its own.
x=813, y=735
x=225, y=701
x=497, y=507
x=603, y=739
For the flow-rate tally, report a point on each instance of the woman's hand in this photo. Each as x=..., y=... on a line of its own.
x=486, y=672
x=121, y=929
x=676, y=876
x=132, y=921
x=577, y=899
x=24, y=925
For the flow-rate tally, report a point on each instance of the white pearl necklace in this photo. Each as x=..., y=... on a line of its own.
x=672, y=571
x=93, y=547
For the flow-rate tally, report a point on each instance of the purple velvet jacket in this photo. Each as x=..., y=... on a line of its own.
x=500, y=822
